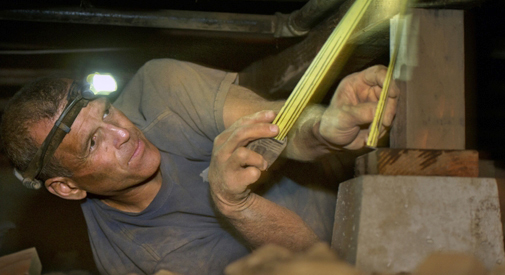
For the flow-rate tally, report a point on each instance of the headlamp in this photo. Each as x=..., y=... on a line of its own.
x=79, y=94
x=101, y=84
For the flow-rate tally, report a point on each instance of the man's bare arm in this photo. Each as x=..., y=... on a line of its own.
x=233, y=168
x=320, y=130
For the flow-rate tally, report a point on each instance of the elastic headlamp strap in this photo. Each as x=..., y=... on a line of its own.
x=60, y=129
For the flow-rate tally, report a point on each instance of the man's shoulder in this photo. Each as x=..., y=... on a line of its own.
x=169, y=68
x=177, y=97
x=164, y=63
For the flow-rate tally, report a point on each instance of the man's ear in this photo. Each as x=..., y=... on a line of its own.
x=65, y=188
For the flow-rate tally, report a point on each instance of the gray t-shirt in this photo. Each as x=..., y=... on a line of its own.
x=178, y=106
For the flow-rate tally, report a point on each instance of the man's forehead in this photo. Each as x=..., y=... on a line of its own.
x=83, y=123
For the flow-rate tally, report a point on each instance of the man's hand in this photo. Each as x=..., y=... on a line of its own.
x=233, y=167
x=344, y=124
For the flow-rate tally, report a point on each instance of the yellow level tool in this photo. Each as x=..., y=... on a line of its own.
x=311, y=82
x=374, y=135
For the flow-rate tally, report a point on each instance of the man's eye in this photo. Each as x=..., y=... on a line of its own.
x=92, y=144
x=106, y=113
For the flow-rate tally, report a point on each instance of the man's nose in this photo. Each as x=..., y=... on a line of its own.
x=118, y=134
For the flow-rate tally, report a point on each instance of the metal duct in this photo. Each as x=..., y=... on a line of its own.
x=280, y=25
x=191, y=20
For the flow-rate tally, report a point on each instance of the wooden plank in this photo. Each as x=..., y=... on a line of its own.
x=414, y=162
x=431, y=77
x=23, y=262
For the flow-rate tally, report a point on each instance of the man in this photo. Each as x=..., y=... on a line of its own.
x=136, y=165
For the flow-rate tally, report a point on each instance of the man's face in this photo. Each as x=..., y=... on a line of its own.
x=106, y=153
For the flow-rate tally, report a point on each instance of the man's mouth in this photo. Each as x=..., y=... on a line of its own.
x=139, y=147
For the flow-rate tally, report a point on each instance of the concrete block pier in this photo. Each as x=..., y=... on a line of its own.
x=392, y=223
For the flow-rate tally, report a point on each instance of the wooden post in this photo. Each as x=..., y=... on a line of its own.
x=430, y=73
x=431, y=67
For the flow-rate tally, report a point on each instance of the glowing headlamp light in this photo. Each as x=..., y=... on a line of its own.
x=101, y=84
x=78, y=97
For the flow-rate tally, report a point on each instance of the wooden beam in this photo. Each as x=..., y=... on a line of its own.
x=387, y=161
